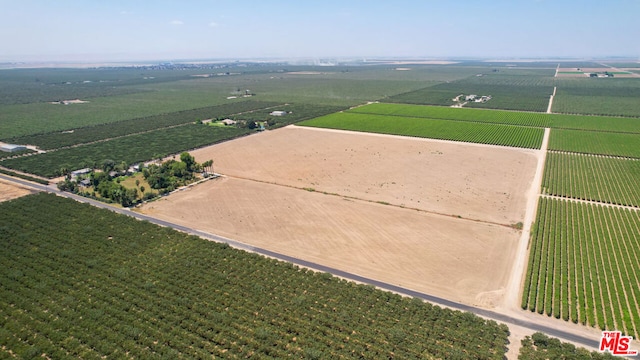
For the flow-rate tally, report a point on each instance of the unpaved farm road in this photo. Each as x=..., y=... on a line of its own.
x=511, y=297
x=557, y=328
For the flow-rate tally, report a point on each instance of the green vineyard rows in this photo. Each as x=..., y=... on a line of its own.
x=82, y=282
x=611, y=97
x=597, y=178
x=584, y=265
x=592, y=142
x=536, y=119
x=448, y=113
x=494, y=134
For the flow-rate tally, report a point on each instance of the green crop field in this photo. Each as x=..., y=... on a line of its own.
x=130, y=149
x=598, y=123
x=583, y=265
x=592, y=142
x=596, y=178
x=536, y=119
x=54, y=140
x=609, y=96
x=81, y=282
x=27, y=119
x=447, y=113
x=4, y=155
x=509, y=92
x=493, y=134
x=122, y=94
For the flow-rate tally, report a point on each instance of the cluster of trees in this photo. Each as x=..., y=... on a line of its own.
x=172, y=173
x=106, y=184
x=539, y=346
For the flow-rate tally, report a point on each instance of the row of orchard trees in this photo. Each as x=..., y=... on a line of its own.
x=81, y=282
x=596, y=178
x=467, y=131
x=583, y=265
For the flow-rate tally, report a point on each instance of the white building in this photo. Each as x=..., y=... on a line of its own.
x=12, y=148
x=278, y=113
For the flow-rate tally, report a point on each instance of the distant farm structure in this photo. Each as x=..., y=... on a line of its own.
x=462, y=99
x=11, y=148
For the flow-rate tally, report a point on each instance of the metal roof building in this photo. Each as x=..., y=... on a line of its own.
x=12, y=148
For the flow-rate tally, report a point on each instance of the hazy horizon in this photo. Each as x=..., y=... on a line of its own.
x=124, y=31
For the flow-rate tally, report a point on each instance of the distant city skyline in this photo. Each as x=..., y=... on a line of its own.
x=120, y=30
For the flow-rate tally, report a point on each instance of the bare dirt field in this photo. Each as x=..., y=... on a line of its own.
x=459, y=259
x=261, y=201
x=479, y=182
x=10, y=191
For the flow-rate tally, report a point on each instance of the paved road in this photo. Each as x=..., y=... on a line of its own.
x=510, y=320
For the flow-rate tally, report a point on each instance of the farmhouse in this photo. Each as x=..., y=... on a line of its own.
x=12, y=148
x=76, y=173
x=228, y=122
x=278, y=113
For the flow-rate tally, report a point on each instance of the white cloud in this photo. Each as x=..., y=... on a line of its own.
x=124, y=12
x=213, y=24
x=176, y=22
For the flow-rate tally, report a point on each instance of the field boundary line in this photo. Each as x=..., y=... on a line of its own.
x=592, y=202
x=457, y=217
x=514, y=291
x=416, y=138
x=551, y=98
x=594, y=155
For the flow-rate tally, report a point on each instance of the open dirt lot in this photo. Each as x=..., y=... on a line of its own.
x=423, y=246
x=10, y=191
x=459, y=259
x=479, y=182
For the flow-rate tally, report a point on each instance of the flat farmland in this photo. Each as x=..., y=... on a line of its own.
x=479, y=182
x=454, y=258
x=428, y=215
x=9, y=191
x=467, y=131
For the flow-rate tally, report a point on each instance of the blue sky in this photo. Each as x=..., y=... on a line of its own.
x=122, y=30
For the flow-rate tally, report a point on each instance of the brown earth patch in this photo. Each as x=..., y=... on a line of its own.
x=423, y=214
x=480, y=182
x=9, y=191
x=453, y=258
